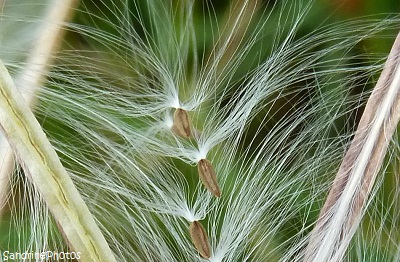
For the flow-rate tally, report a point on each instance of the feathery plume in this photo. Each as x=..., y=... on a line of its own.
x=275, y=104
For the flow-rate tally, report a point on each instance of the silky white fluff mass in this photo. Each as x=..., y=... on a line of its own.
x=272, y=110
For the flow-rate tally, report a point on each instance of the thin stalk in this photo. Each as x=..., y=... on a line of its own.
x=43, y=167
x=235, y=28
x=344, y=206
x=31, y=78
x=5, y=163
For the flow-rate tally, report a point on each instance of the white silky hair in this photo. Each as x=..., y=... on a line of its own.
x=107, y=108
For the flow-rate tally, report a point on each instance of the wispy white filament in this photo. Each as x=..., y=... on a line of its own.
x=271, y=110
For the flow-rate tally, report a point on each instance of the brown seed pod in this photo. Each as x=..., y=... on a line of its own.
x=200, y=239
x=182, y=123
x=208, y=177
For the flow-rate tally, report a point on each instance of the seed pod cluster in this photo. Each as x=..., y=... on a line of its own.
x=182, y=126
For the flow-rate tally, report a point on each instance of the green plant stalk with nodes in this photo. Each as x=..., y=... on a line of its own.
x=192, y=132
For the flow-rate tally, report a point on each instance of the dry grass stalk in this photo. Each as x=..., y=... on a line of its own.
x=208, y=177
x=200, y=239
x=343, y=208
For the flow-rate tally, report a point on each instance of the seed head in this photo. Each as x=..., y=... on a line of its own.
x=208, y=176
x=182, y=123
x=200, y=239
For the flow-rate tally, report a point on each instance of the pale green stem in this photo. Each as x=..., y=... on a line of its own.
x=43, y=167
x=31, y=78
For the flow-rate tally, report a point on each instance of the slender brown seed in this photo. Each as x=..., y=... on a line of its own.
x=182, y=123
x=208, y=177
x=200, y=239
